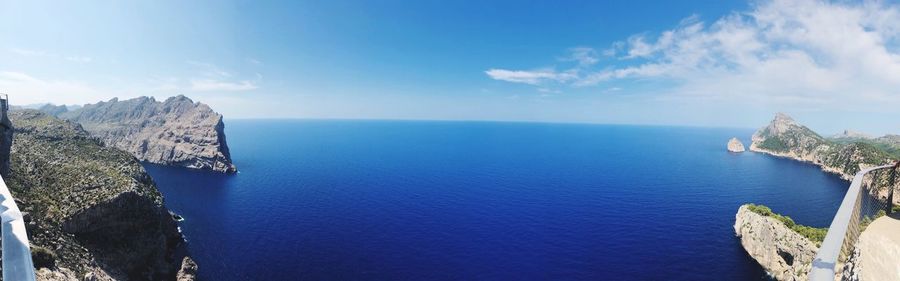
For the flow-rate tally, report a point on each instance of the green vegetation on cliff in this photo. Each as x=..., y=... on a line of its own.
x=90, y=210
x=813, y=234
x=845, y=156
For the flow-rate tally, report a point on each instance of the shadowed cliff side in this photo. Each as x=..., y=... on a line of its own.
x=175, y=132
x=91, y=211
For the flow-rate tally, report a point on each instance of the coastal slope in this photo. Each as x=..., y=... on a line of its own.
x=175, y=132
x=785, y=137
x=91, y=211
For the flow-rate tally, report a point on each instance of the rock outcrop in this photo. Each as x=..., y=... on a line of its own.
x=91, y=211
x=176, y=132
x=782, y=252
x=735, y=145
x=786, y=138
x=188, y=270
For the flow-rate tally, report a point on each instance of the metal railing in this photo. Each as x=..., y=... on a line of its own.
x=860, y=206
x=17, y=263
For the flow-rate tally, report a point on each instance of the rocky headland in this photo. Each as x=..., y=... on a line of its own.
x=735, y=145
x=785, y=137
x=784, y=249
x=175, y=132
x=91, y=211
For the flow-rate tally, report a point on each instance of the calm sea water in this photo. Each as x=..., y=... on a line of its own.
x=394, y=200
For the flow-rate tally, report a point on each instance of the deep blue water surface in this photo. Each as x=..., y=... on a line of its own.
x=395, y=200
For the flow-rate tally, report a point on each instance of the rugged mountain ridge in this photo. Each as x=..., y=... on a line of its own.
x=91, y=211
x=785, y=137
x=176, y=132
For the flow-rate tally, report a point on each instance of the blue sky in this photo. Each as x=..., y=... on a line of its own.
x=832, y=65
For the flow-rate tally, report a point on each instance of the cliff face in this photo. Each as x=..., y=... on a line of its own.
x=91, y=211
x=176, y=132
x=782, y=252
x=786, y=138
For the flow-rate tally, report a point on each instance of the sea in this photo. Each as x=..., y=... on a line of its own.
x=453, y=200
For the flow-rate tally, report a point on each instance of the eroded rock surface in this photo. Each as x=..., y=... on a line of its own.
x=735, y=145
x=782, y=252
x=176, y=132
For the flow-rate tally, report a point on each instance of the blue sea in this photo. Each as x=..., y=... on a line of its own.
x=423, y=200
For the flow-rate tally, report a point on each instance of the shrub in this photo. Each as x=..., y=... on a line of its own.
x=816, y=235
x=43, y=257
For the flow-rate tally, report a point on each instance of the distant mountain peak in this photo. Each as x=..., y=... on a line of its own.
x=781, y=116
x=851, y=134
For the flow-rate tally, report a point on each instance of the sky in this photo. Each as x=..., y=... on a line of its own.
x=831, y=65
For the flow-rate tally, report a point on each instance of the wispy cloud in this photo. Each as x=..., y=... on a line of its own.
x=209, y=69
x=29, y=52
x=214, y=78
x=79, y=59
x=584, y=56
x=778, y=51
x=227, y=86
x=26, y=88
x=254, y=61
x=533, y=77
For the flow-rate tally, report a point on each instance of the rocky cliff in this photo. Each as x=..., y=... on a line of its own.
x=783, y=252
x=177, y=131
x=91, y=211
x=786, y=138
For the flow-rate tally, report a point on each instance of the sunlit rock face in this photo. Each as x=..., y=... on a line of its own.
x=735, y=145
x=782, y=252
x=174, y=132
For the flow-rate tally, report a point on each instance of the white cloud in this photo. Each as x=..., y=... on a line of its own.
x=214, y=78
x=549, y=91
x=79, y=59
x=583, y=55
x=26, y=89
x=29, y=52
x=225, y=86
x=781, y=51
x=533, y=77
x=209, y=70
x=254, y=61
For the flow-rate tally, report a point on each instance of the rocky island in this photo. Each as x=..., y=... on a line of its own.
x=175, y=132
x=91, y=211
x=735, y=145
